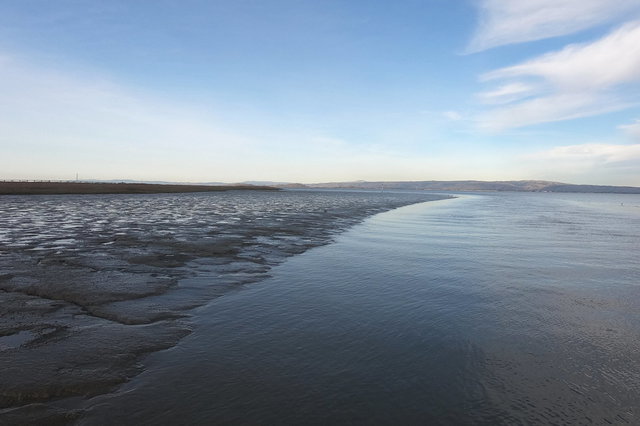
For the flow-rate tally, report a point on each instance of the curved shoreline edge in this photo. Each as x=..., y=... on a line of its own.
x=87, y=340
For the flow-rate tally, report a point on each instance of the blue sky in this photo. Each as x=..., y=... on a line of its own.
x=315, y=91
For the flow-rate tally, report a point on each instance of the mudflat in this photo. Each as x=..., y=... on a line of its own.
x=36, y=188
x=90, y=284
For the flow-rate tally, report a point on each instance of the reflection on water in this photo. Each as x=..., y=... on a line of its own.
x=490, y=309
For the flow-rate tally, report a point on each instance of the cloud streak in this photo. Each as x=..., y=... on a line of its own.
x=507, y=93
x=593, y=153
x=505, y=22
x=579, y=80
x=452, y=115
x=611, y=60
x=56, y=122
x=594, y=163
x=632, y=129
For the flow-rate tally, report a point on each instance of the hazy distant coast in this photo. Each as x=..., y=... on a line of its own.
x=141, y=187
x=37, y=188
x=469, y=185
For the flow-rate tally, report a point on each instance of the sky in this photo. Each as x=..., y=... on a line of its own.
x=318, y=91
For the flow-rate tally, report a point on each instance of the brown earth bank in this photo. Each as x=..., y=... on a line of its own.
x=38, y=188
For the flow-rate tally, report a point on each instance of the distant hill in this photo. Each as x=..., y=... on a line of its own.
x=472, y=185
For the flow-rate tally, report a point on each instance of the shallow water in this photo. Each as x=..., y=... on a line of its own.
x=89, y=284
x=487, y=309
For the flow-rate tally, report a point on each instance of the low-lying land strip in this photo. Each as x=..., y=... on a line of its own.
x=38, y=188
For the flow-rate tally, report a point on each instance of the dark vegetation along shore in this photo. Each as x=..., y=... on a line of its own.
x=91, y=284
x=37, y=188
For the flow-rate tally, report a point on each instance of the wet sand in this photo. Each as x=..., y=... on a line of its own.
x=90, y=284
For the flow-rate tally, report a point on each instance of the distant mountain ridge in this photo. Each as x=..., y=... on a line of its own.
x=471, y=185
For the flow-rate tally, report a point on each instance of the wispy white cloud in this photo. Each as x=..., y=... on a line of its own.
x=594, y=163
x=593, y=153
x=612, y=60
x=507, y=93
x=509, y=21
x=552, y=108
x=578, y=81
x=55, y=122
x=452, y=115
x=632, y=129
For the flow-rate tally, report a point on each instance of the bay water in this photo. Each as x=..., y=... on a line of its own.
x=496, y=308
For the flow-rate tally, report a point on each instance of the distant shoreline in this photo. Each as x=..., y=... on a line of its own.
x=128, y=187
x=60, y=188
x=469, y=185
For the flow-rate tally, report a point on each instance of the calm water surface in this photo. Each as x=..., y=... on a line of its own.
x=485, y=309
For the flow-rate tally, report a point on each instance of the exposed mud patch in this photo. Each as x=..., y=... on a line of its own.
x=89, y=284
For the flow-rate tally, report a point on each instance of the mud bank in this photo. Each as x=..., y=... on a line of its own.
x=39, y=188
x=90, y=284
